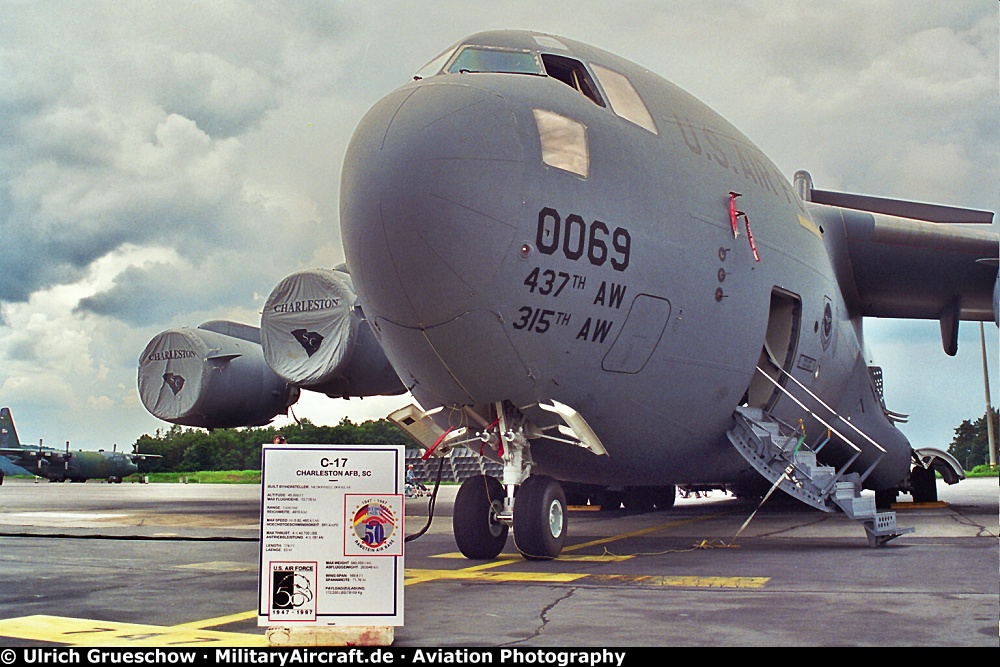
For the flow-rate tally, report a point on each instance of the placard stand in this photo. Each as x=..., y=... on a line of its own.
x=331, y=544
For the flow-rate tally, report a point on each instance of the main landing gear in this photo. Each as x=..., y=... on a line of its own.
x=922, y=485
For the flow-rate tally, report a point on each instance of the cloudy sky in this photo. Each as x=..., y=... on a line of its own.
x=166, y=163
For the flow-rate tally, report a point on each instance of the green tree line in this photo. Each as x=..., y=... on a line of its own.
x=193, y=449
x=971, y=442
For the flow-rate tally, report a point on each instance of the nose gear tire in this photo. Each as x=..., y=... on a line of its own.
x=540, y=518
x=478, y=534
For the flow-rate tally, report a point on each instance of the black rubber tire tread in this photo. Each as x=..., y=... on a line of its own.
x=639, y=499
x=885, y=498
x=532, y=504
x=478, y=537
x=923, y=485
x=664, y=497
x=610, y=501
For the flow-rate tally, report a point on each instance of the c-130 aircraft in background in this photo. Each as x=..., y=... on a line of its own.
x=582, y=272
x=58, y=465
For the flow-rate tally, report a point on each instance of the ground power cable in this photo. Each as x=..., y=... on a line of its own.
x=430, y=504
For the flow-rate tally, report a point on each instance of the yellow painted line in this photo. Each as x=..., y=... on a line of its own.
x=420, y=576
x=489, y=565
x=83, y=632
x=466, y=574
x=644, y=531
x=682, y=581
x=509, y=558
x=597, y=558
x=501, y=557
x=218, y=620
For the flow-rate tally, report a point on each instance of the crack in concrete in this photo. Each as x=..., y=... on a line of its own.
x=543, y=617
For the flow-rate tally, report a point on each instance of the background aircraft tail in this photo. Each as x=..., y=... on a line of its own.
x=8, y=436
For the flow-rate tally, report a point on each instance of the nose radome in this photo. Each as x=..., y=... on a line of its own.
x=431, y=190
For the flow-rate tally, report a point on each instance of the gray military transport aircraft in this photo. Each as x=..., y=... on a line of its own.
x=582, y=272
x=58, y=465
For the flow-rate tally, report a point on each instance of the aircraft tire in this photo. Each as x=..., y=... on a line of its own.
x=576, y=497
x=885, y=498
x=923, y=485
x=478, y=534
x=610, y=501
x=540, y=518
x=664, y=496
x=639, y=499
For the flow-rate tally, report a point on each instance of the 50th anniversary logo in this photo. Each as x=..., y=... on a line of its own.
x=373, y=526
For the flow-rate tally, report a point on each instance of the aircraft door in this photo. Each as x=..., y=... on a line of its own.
x=780, y=343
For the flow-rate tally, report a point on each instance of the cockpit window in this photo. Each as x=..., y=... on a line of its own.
x=564, y=142
x=624, y=99
x=573, y=74
x=480, y=59
x=434, y=66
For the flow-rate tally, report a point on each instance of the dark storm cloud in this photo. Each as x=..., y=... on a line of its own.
x=157, y=291
x=154, y=293
x=119, y=143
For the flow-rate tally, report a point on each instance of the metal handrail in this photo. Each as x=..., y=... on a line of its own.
x=802, y=405
x=843, y=437
x=831, y=410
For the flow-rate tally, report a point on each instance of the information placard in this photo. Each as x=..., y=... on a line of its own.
x=331, y=535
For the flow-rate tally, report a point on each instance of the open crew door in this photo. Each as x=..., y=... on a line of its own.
x=781, y=341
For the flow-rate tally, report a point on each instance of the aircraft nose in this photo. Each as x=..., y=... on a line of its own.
x=431, y=189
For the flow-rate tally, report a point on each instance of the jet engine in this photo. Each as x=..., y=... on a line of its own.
x=314, y=337
x=214, y=376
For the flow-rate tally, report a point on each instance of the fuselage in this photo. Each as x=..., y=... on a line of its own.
x=79, y=465
x=565, y=233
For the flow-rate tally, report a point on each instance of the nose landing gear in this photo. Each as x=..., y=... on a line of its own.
x=534, y=506
x=539, y=518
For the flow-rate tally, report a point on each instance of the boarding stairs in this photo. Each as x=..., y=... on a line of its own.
x=781, y=454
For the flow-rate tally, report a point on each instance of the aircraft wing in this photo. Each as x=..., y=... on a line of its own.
x=942, y=267
x=27, y=455
x=136, y=458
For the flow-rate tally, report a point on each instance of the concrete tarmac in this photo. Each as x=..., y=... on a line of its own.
x=134, y=565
